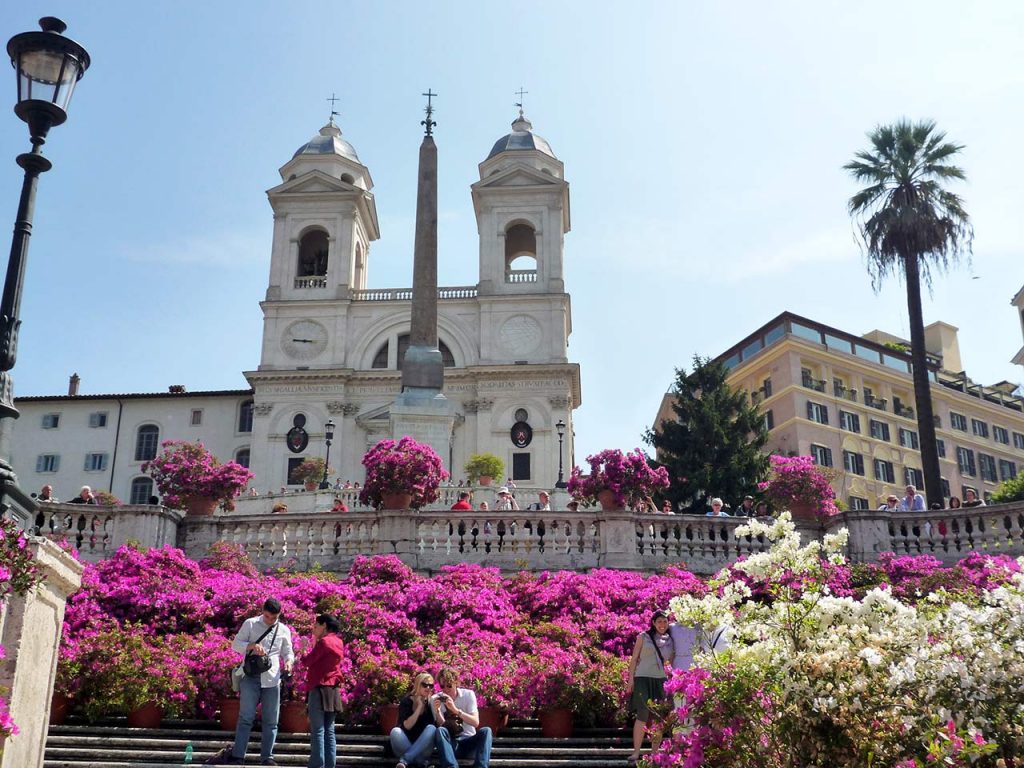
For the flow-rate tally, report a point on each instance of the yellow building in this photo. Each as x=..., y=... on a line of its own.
x=848, y=401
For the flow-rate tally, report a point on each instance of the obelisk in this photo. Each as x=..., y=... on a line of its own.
x=421, y=410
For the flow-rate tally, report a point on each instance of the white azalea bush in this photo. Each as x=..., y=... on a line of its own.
x=812, y=677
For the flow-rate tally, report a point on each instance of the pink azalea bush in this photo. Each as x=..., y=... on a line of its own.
x=184, y=469
x=797, y=480
x=629, y=476
x=403, y=467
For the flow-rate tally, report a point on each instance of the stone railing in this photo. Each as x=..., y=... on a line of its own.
x=97, y=531
x=405, y=294
x=521, y=276
x=310, y=282
x=322, y=501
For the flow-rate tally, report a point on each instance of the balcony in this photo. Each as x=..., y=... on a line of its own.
x=311, y=282
x=844, y=392
x=521, y=276
x=818, y=385
x=904, y=411
x=875, y=402
x=405, y=294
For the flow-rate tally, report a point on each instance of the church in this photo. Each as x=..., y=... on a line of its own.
x=333, y=346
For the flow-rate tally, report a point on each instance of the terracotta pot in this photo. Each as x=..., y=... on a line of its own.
x=555, y=723
x=396, y=500
x=228, y=716
x=60, y=705
x=311, y=485
x=495, y=718
x=294, y=718
x=485, y=480
x=804, y=511
x=388, y=718
x=200, y=506
x=149, y=715
x=607, y=501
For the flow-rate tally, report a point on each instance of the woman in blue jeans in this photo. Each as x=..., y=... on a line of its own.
x=323, y=675
x=412, y=740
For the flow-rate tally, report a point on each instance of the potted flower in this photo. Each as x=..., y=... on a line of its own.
x=106, y=499
x=482, y=468
x=311, y=471
x=190, y=477
x=616, y=479
x=801, y=486
x=401, y=475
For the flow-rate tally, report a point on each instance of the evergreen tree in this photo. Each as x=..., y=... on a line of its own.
x=714, y=446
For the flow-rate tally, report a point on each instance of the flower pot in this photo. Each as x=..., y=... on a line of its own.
x=310, y=485
x=149, y=715
x=388, y=718
x=293, y=717
x=60, y=705
x=396, y=500
x=495, y=718
x=485, y=480
x=228, y=716
x=607, y=501
x=555, y=723
x=200, y=506
x=804, y=511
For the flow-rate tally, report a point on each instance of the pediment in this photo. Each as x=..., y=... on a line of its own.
x=519, y=176
x=375, y=416
x=313, y=182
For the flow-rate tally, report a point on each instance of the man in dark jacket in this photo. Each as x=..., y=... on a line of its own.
x=323, y=675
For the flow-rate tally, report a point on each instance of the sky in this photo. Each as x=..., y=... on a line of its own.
x=703, y=143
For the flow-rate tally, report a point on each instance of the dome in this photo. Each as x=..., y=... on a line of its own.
x=328, y=142
x=522, y=137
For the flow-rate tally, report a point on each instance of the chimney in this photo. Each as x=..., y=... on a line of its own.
x=73, y=383
x=176, y=389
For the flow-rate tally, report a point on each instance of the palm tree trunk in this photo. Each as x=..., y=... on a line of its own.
x=922, y=385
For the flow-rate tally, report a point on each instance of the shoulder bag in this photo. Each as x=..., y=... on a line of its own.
x=254, y=665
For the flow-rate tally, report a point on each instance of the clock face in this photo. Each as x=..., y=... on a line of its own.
x=304, y=339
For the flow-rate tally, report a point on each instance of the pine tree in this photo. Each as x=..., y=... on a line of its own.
x=714, y=446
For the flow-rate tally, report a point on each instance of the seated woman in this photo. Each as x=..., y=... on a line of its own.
x=473, y=741
x=412, y=740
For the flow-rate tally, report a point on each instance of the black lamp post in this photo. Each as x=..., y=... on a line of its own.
x=328, y=436
x=48, y=66
x=560, y=426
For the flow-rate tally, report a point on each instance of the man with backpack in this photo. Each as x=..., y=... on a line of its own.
x=266, y=646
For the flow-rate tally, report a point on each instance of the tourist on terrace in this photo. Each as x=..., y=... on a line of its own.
x=323, y=666
x=46, y=494
x=462, y=505
x=474, y=740
x=761, y=510
x=412, y=740
x=84, y=496
x=746, y=509
x=666, y=507
x=716, y=509
x=544, y=503
x=279, y=508
x=954, y=502
x=647, y=674
x=339, y=505
x=971, y=498
x=483, y=506
x=892, y=504
x=912, y=501
x=506, y=501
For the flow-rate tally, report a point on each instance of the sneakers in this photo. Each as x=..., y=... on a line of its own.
x=224, y=757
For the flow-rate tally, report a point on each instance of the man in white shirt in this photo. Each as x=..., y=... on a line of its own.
x=262, y=636
x=544, y=503
x=913, y=501
x=475, y=740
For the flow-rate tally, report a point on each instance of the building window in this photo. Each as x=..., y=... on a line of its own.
x=197, y=417
x=945, y=488
x=245, y=416
x=1018, y=440
x=242, y=457
x=95, y=462
x=849, y=421
x=858, y=502
x=293, y=464
x=987, y=465
x=98, y=419
x=1000, y=435
x=51, y=420
x=884, y=471
x=142, y=489
x=879, y=430
x=817, y=412
x=1007, y=469
x=521, y=466
x=48, y=462
x=958, y=421
x=313, y=254
x=853, y=462
x=767, y=387
x=808, y=380
x=908, y=438
x=769, y=419
x=965, y=460
x=147, y=440
x=940, y=445
x=980, y=428
x=821, y=455
x=914, y=477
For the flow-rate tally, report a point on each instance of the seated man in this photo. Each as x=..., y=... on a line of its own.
x=474, y=740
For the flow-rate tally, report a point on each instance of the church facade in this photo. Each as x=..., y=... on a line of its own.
x=332, y=346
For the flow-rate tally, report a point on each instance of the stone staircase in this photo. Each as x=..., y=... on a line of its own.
x=111, y=744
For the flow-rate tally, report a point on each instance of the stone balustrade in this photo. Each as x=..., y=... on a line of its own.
x=310, y=535
x=405, y=294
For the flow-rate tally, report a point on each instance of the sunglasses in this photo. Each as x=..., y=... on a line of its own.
x=426, y=685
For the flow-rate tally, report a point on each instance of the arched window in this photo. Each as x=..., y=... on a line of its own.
x=520, y=248
x=313, y=254
x=242, y=457
x=147, y=440
x=142, y=489
x=245, y=416
x=380, y=360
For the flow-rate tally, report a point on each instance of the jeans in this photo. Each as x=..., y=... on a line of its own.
x=418, y=751
x=251, y=694
x=323, y=749
x=479, y=743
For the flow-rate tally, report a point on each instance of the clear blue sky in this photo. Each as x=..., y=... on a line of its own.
x=703, y=143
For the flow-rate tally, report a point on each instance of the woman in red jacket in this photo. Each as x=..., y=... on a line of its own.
x=323, y=675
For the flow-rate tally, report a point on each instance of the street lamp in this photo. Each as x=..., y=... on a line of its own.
x=560, y=426
x=328, y=436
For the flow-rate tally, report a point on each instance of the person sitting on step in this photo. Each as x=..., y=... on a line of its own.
x=412, y=740
x=454, y=704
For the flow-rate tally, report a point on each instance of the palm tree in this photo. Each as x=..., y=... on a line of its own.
x=911, y=225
